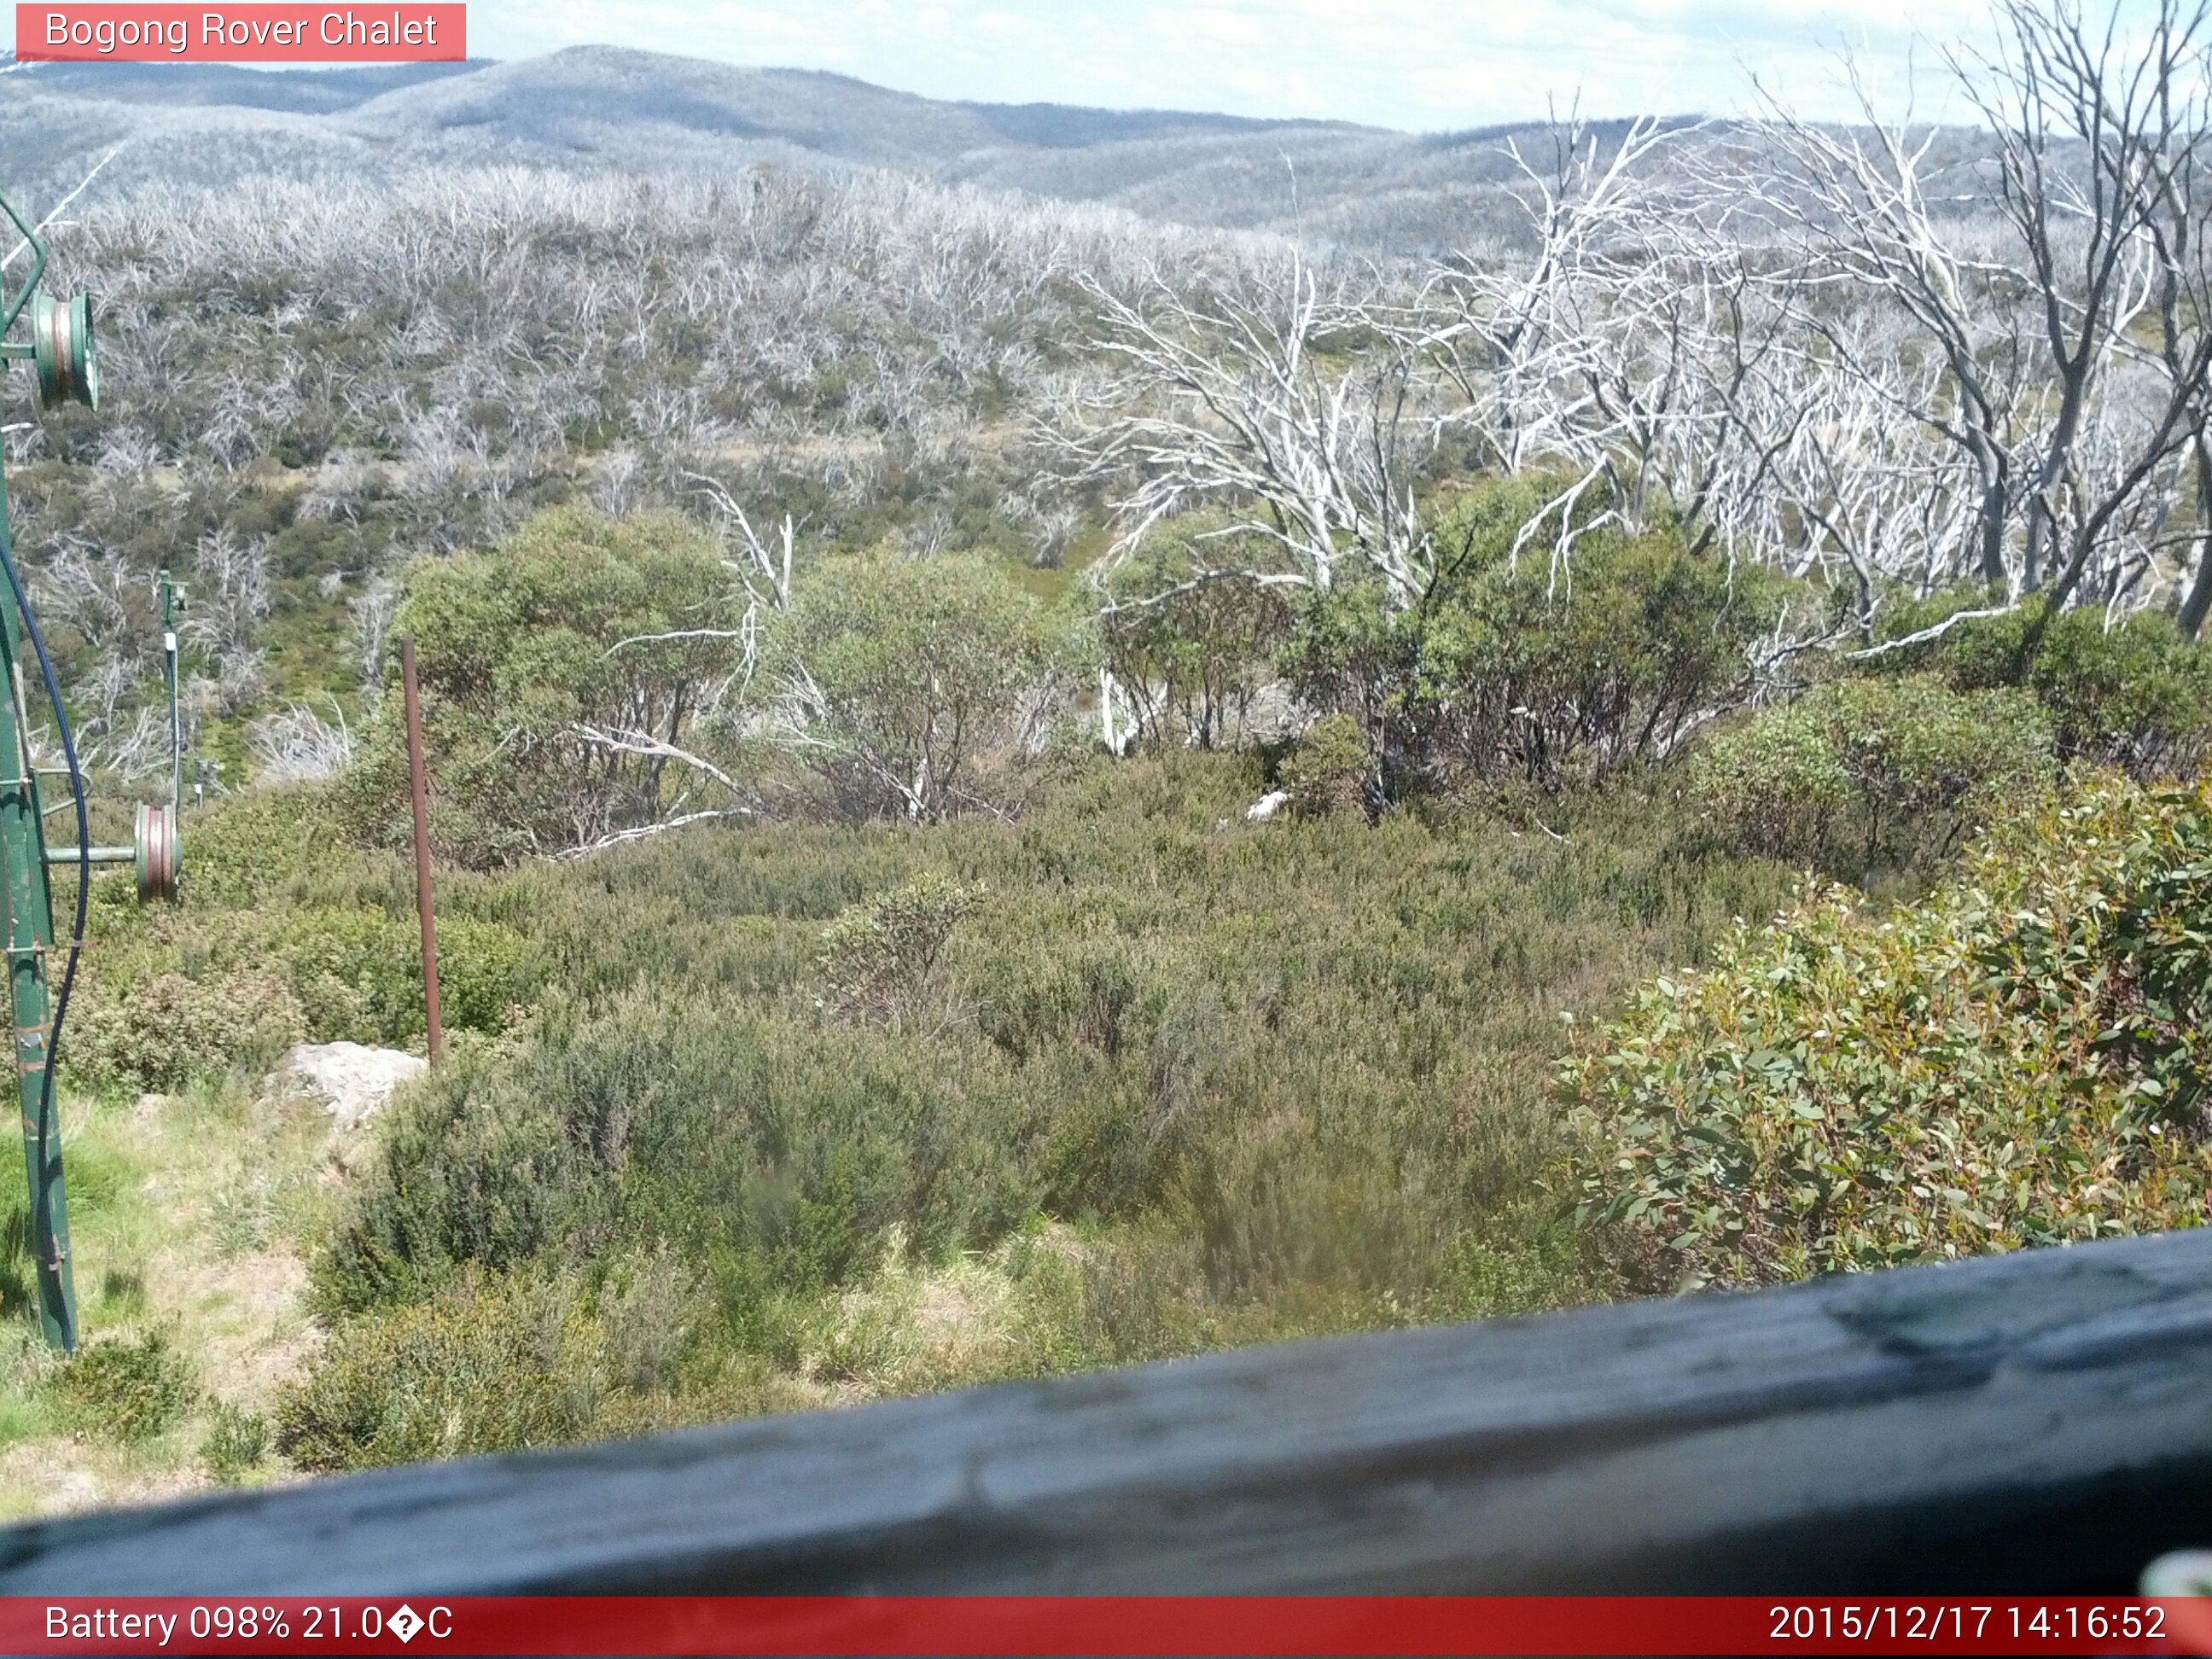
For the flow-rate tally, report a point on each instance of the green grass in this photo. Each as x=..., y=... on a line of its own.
x=1178, y=1082
x=189, y=1323
x=1182, y=1083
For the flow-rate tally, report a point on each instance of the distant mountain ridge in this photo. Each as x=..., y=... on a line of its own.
x=611, y=106
x=317, y=91
x=325, y=91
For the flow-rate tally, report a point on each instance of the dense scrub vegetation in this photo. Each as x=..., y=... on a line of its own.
x=2019, y=1059
x=1125, y=1079
x=1064, y=809
x=958, y=1047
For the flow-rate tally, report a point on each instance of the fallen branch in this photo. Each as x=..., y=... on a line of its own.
x=645, y=743
x=680, y=634
x=1928, y=633
x=643, y=830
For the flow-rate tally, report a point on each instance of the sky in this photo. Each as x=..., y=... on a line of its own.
x=1429, y=65
x=1424, y=65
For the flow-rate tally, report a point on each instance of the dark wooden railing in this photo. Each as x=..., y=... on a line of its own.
x=2036, y=1422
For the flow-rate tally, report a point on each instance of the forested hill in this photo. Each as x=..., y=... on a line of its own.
x=605, y=107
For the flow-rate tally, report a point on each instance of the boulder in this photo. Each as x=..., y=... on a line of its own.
x=351, y=1078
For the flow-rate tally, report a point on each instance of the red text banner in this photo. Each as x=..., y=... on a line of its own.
x=257, y=33
x=1102, y=1625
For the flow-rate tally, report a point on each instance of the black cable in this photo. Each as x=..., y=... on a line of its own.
x=83, y=873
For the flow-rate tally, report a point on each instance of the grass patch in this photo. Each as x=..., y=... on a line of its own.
x=189, y=1321
x=1164, y=1081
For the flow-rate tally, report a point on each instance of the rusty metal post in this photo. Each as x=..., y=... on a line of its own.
x=419, y=781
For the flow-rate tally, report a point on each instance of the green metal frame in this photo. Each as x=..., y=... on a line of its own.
x=11, y=310
x=26, y=913
x=26, y=910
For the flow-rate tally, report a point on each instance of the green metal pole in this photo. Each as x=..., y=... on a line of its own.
x=29, y=928
x=176, y=727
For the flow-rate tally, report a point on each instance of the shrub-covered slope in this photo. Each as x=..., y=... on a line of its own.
x=2017, y=1059
x=782, y=1114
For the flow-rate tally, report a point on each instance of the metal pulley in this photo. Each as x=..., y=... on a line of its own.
x=62, y=349
x=155, y=852
x=159, y=853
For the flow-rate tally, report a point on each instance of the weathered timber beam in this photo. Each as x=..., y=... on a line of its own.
x=2040, y=1422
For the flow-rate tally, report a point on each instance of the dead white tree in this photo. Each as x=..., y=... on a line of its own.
x=2034, y=313
x=1275, y=399
x=761, y=569
x=1513, y=333
x=2090, y=122
x=295, y=744
x=53, y=218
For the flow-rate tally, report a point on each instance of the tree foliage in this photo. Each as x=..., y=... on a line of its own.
x=1189, y=646
x=911, y=678
x=1510, y=668
x=1862, y=775
x=2132, y=691
x=563, y=673
x=2020, y=1059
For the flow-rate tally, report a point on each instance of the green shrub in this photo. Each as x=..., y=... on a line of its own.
x=357, y=973
x=490, y=1364
x=237, y=1444
x=1513, y=667
x=884, y=960
x=485, y=974
x=158, y=1033
x=522, y=648
x=1862, y=773
x=676, y=1119
x=1190, y=648
x=1328, y=769
x=1263, y=1083
x=925, y=675
x=2020, y=1059
x=2134, y=691
x=128, y=1390
x=1351, y=654
x=245, y=847
x=649, y=1306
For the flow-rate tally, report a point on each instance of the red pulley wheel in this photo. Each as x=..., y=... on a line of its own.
x=154, y=833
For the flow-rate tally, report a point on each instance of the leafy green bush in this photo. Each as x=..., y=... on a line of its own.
x=129, y=1390
x=523, y=649
x=485, y=973
x=2134, y=691
x=1189, y=648
x=490, y=1364
x=1860, y=773
x=782, y=1147
x=158, y=1032
x=357, y=973
x=246, y=846
x=1320, y=1050
x=1328, y=769
x=1511, y=668
x=884, y=960
x=923, y=675
x=170, y=996
x=2020, y=1059
x=237, y=1443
